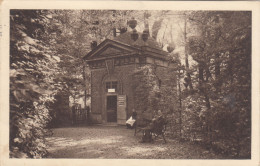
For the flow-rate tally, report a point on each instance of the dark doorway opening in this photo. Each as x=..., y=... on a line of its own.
x=111, y=108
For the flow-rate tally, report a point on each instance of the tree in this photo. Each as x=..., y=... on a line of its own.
x=146, y=91
x=32, y=70
x=222, y=50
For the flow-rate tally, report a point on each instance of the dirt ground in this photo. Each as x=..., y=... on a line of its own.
x=117, y=142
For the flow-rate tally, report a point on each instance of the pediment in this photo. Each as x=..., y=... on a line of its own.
x=110, y=48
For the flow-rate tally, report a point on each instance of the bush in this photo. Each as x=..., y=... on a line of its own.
x=28, y=123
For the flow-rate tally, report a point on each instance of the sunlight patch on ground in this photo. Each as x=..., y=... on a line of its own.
x=142, y=150
x=108, y=140
x=92, y=151
x=59, y=143
x=56, y=143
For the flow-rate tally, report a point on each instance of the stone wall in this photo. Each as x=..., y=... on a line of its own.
x=96, y=94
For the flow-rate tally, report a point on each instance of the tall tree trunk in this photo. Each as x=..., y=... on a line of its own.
x=204, y=92
x=186, y=55
x=180, y=102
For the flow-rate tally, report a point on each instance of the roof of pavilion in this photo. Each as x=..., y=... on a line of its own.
x=126, y=38
x=123, y=45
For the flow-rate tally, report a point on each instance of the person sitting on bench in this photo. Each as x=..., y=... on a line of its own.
x=154, y=127
x=156, y=119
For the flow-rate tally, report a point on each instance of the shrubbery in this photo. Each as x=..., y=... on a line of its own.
x=31, y=84
x=28, y=130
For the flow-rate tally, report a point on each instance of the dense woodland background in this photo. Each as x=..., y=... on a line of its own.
x=212, y=49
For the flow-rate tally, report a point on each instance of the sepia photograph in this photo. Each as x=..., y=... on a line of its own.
x=130, y=84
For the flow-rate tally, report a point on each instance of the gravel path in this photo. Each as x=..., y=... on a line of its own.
x=118, y=143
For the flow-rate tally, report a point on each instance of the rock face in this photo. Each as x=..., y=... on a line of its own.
x=113, y=64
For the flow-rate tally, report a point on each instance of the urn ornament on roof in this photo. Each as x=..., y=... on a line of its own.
x=134, y=35
x=132, y=23
x=171, y=47
x=145, y=34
